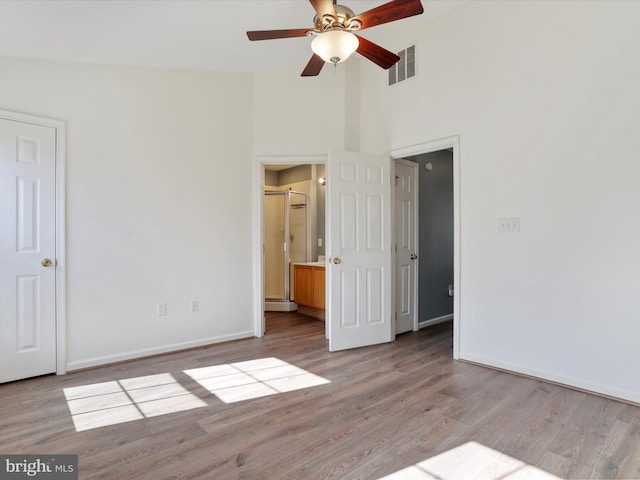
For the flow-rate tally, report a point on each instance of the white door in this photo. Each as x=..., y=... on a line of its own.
x=406, y=213
x=27, y=243
x=359, y=246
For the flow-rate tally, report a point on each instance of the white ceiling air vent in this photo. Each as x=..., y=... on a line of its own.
x=406, y=66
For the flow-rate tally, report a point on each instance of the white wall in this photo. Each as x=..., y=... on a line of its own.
x=545, y=99
x=152, y=155
x=299, y=116
x=373, y=108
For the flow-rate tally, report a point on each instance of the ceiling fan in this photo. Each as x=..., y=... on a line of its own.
x=333, y=30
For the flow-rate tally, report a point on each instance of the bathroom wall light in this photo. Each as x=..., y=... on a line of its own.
x=322, y=181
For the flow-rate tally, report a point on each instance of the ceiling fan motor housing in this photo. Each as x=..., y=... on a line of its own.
x=343, y=20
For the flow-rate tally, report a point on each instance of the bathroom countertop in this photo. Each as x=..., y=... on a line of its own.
x=311, y=264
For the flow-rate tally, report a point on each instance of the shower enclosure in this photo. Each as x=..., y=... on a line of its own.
x=285, y=243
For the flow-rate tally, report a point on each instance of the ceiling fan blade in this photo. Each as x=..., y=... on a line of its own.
x=390, y=12
x=273, y=34
x=313, y=67
x=323, y=7
x=376, y=53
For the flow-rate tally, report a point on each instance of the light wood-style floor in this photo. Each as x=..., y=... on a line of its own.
x=404, y=408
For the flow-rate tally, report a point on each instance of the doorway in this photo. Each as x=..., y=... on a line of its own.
x=293, y=237
x=360, y=297
x=438, y=226
x=32, y=307
x=435, y=236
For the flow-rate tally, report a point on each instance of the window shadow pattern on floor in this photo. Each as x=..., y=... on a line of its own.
x=119, y=401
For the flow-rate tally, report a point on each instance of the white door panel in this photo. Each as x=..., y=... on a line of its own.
x=27, y=237
x=359, y=269
x=406, y=225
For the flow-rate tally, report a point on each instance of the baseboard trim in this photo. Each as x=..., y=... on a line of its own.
x=317, y=313
x=567, y=382
x=280, y=306
x=435, y=321
x=137, y=354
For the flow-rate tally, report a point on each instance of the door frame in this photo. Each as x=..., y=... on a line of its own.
x=60, y=313
x=258, y=226
x=444, y=143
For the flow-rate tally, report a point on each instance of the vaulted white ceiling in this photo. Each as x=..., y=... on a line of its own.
x=191, y=34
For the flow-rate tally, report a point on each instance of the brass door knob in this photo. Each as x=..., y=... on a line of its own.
x=46, y=262
x=337, y=260
x=413, y=256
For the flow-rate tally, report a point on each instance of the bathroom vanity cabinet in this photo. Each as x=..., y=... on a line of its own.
x=309, y=289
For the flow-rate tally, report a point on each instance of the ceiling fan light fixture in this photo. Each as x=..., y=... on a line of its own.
x=335, y=46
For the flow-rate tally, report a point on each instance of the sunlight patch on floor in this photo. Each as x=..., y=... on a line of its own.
x=235, y=382
x=471, y=460
x=109, y=403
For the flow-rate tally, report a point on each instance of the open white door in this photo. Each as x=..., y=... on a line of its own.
x=359, y=249
x=406, y=243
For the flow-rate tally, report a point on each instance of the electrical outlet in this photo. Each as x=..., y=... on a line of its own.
x=161, y=309
x=509, y=225
x=195, y=306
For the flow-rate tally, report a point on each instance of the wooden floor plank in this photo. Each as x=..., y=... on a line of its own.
x=386, y=408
